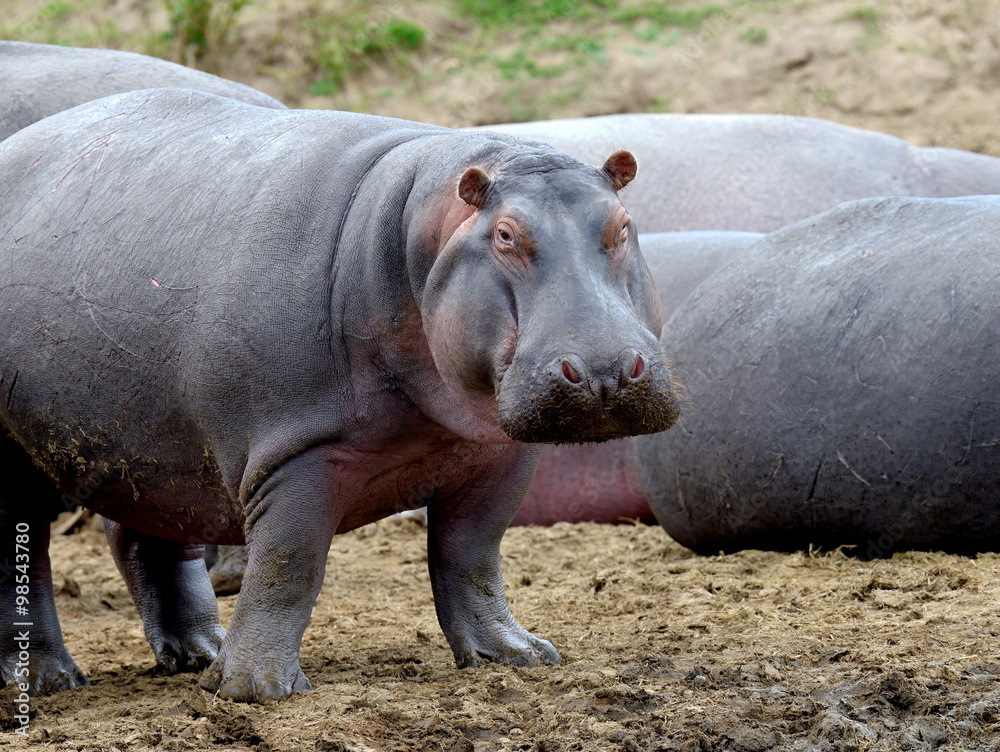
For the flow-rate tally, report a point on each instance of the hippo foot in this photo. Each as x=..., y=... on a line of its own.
x=509, y=644
x=252, y=685
x=227, y=571
x=192, y=652
x=47, y=674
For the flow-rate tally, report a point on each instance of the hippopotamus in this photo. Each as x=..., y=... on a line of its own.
x=759, y=172
x=841, y=384
x=228, y=324
x=600, y=482
x=42, y=79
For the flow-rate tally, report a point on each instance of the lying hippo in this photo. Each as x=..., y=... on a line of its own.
x=759, y=172
x=600, y=482
x=42, y=79
x=235, y=324
x=842, y=383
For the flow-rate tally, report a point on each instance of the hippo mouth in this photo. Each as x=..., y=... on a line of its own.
x=570, y=413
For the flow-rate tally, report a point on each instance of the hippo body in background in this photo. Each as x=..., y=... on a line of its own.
x=600, y=482
x=759, y=172
x=842, y=384
x=39, y=80
x=233, y=324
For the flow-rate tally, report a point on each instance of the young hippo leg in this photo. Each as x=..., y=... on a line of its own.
x=289, y=525
x=31, y=644
x=464, y=534
x=170, y=587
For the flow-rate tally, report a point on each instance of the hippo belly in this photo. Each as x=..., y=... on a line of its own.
x=842, y=387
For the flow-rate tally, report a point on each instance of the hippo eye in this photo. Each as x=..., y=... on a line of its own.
x=623, y=236
x=505, y=234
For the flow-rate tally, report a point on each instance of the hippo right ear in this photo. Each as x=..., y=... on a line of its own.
x=621, y=168
x=474, y=186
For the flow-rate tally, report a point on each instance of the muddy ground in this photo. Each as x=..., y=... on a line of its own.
x=662, y=650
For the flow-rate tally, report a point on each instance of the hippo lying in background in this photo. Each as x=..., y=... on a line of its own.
x=759, y=172
x=270, y=326
x=843, y=384
x=39, y=80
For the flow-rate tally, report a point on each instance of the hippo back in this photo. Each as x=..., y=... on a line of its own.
x=42, y=79
x=758, y=172
x=842, y=387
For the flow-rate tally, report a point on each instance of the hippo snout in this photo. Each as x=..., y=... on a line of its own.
x=575, y=399
x=604, y=379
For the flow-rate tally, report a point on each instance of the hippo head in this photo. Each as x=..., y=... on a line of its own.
x=538, y=307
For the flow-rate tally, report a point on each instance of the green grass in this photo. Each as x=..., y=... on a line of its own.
x=200, y=26
x=343, y=45
x=754, y=35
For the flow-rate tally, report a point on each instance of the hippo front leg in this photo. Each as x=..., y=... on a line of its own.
x=464, y=534
x=170, y=588
x=289, y=525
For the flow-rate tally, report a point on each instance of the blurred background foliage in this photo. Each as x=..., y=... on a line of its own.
x=925, y=70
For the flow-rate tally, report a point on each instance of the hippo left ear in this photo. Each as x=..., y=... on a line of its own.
x=621, y=168
x=474, y=186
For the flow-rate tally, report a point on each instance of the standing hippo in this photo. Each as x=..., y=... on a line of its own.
x=600, y=482
x=759, y=172
x=265, y=326
x=42, y=79
x=843, y=384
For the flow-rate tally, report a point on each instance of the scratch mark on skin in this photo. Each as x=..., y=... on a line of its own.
x=886, y=443
x=167, y=287
x=854, y=472
x=97, y=144
x=857, y=375
x=10, y=394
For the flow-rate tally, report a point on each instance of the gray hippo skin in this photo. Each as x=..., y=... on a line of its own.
x=42, y=79
x=759, y=172
x=842, y=385
x=600, y=482
x=270, y=326
x=39, y=80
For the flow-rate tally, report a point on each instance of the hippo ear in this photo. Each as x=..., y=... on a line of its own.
x=474, y=186
x=621, y=168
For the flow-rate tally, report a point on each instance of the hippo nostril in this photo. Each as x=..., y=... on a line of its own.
x=638, y=368
x=570, y=373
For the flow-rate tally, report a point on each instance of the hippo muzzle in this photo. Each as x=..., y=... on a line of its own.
x=573, y=399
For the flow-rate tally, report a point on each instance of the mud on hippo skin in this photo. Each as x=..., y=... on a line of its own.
x=275, y=355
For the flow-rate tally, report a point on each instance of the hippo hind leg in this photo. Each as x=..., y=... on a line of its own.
x=170, y=588
x=31, y=644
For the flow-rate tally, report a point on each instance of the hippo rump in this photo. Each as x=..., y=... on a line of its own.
x=759, y=172
x=842, y=387
x=600, y=482
x=235, y=324
x=42, y=79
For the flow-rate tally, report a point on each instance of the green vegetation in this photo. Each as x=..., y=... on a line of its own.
x=345, y=44
x=754, y=35
x=198, y=27
x=868, y=16
x=523, y=43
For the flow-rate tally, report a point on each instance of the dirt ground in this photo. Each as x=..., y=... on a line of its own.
x=662, y=650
